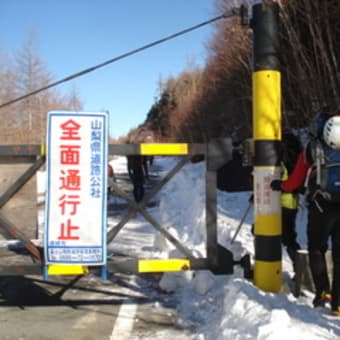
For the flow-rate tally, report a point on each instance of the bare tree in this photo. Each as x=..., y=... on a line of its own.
x=31, y=74
x=7, y=92
x=73, y=100
x=310, y=56
x=25, y=121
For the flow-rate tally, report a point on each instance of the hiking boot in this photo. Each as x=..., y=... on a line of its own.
x=326, y=296
x=336, y=311
x=321, y=299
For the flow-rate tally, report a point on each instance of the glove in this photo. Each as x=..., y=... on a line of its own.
x=276, y=185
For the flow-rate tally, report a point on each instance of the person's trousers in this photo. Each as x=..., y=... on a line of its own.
x=289, y=235
x=138, y=192
x=321, y=226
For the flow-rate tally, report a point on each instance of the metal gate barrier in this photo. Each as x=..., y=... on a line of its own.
x=218, y=259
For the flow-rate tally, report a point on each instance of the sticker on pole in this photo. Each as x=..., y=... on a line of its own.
x=75, y=213
x=267, y=201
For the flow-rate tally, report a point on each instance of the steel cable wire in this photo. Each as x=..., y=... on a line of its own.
x=227, y=14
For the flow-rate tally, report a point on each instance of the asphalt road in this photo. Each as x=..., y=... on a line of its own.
x=125, y=306
x=81, y=308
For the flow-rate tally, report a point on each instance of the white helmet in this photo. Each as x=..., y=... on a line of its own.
x=331, y=132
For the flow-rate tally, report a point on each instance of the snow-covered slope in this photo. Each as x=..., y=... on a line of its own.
x=228, y=307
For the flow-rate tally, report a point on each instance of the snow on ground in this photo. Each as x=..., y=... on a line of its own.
x=224, y=307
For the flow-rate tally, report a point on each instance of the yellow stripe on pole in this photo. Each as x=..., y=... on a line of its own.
x=268, y=225
x=264, y=270
x=164, y=149
x=169, y=265
x=267, y=105
x=42, y=149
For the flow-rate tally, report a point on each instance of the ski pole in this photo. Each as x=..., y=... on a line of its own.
x=242, y=221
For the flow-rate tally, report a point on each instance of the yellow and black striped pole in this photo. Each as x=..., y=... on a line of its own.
x=267, y=136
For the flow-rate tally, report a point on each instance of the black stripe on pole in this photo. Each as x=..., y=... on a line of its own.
x=266, y=47
x=267, y=152
x=268, y=248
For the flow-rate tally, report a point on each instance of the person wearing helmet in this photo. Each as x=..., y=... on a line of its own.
x=331, y=132
x=323, y=211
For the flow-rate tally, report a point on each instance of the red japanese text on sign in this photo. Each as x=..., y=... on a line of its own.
x=72, y=201
x=70, y=130
x=66, y=231
x=70, y=179
x=69, y=154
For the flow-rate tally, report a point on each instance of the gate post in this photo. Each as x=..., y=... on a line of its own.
x=219, y=153
x=267, y=136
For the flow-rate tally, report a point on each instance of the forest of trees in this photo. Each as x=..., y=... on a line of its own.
x=24, y=72
x=201, y=103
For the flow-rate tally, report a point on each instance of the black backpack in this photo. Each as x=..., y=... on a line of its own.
x=323, y=178
x=233, y=176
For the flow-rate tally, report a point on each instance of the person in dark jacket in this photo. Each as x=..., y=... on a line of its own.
x=136, y=173
x=145, y=166
x=111, y=177
x=322, y=224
